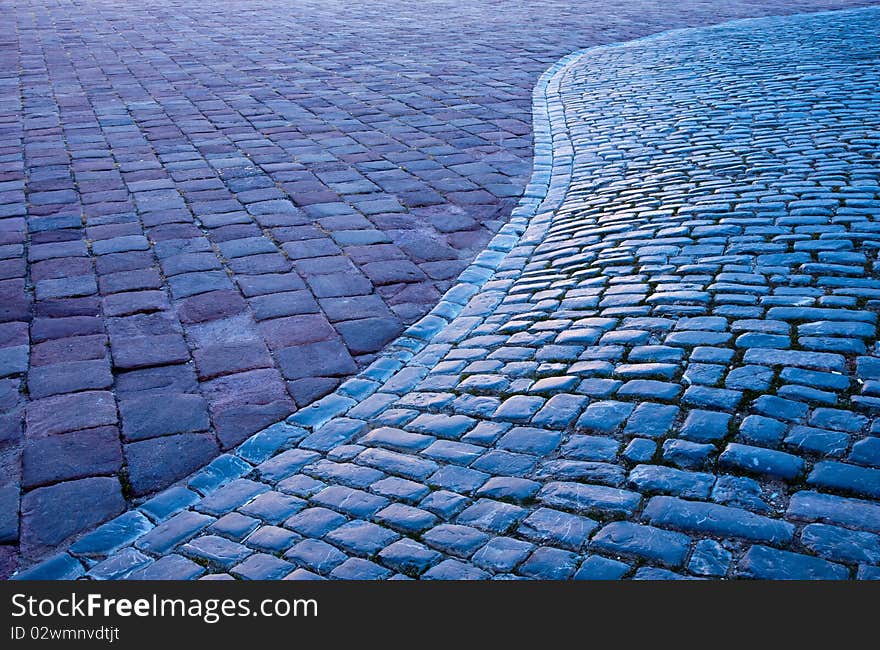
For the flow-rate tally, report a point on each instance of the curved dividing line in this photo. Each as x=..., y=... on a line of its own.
x=552, y=168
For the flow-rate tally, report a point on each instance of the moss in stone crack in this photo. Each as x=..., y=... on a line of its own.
x=125, y=484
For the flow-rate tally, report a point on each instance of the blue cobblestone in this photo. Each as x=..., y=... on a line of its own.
x=758, y=460
x=765, y=563
x=361, y=537
x=303, y=574
x=760, y=430
x=271, y=539
x=649, y=389
x=868, y=573
x=866, y=452
x=604, y=417
x=116, y=533
x=120, y=565
x=755, y=378
x=316, y=555
x=596, y=567
x=457, y=479
x=666, y=480
x=416, y=469
x=493, y=516
x=315, y=522
x=740, y=492
x=505, y=463
x=502, y=554
x=559, y=411
x=262, y=567
x=345, y=473
x=598, y=389
x=509, y=489
x=336, y=432
x=231, y=496
x=168, y=567
x=219, y=472
x=285, y=464
x=651, y=420
x=646, y=542
x=818, y=441
x=396, y=439
x=273, y=507
x=720, y=398
x=714, y=519
x=806, y=394
x=444, y=426
x=590, y=448
x=583, y=498
x=454, y=570
x=828, y=508
x=356, y=503
x=400, y=489
x=261, y=446
x=485, y=433
x=405, y=519
x=640, y=450
x=686, y=454
x=838, y=420
x=655, y=573
x=548, y=563
x=454, y=539
x=173, y=531
x=548, y=526
x=705, y=426
x=709, y=559
x=821, y=380
x=849, y=478
x=57, y=567
x=218, y=551
x=169, y=502
x=301, y=485
x=840, y=544
x=355, y=568
x=529, y=440
x=234, y=525
x=444, y=504
x=409, y=557
x=783, y=409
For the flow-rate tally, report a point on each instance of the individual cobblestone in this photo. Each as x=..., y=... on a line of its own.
x=685, y=232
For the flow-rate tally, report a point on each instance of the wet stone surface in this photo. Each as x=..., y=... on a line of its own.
x=682, y=338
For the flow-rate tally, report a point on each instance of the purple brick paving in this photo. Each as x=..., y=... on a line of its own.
x=211, y=213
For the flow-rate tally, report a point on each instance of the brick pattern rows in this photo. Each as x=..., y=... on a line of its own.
x=671, y=374
x=234, y=207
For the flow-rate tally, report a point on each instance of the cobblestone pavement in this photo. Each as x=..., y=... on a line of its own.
x=235, y=208
x=664, y=366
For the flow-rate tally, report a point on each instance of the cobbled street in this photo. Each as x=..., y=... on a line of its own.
x=663, y=366
x=212, y=216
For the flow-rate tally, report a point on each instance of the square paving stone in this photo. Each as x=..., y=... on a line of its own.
x=361, y=537
x=547, y=563
x=261, y=566
x=318, y=556
x=216, y=550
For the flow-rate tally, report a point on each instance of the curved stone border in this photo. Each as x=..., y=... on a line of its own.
x=529, y=221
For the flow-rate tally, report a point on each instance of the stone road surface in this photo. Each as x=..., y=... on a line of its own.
x=235, y=205
x=664, y=366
